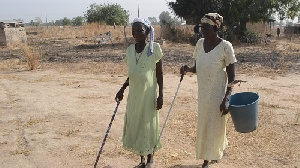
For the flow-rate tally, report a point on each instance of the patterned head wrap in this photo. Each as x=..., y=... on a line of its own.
x=213, y=19
x=147, y=23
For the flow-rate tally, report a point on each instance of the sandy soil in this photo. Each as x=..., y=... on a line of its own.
x=57, y=115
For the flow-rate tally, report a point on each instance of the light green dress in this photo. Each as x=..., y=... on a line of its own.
x=212, y=82
x=141, y=121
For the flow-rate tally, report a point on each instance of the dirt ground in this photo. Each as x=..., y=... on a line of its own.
x=57, y=115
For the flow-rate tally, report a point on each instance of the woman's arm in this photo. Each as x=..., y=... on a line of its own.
x=159, y=76
x=230, y=70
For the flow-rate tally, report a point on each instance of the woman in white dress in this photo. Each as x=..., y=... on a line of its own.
x=214, y=66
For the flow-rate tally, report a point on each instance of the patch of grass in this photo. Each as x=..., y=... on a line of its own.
x=297, y=117
x=90, y=97
x=69, y=83
x=32, y=56
x=70, y=133
x=269, y=105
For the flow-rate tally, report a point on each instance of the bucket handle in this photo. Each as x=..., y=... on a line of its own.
x=231, y=84
x=239, y=82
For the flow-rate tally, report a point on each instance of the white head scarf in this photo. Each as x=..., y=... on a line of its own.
x=148, y=24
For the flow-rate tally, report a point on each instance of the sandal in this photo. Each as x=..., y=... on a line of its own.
x=150, y=162
x=150, y=165
x=205, y=166
x=141, y=165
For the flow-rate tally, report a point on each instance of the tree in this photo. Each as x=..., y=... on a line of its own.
x=77, y=21
x=31, y=23
x=109, y=14
x=235, y=12
x=165, y=18
x=38, y=21
x=58, y=22
x=153, y=20
x=193, y=10
x=288, y=9
x=51, y=23
x=66, y=21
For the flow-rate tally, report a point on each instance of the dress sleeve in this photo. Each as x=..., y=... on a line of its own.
x=129, y=51
x=229, y=55
x=126, y=56
x=158, y=54
x=197, y=48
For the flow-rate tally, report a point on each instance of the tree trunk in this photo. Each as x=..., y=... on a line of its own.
x=125, y=35
x=243, y=27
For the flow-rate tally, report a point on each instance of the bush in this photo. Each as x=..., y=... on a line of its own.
x=32, y=56
x=177, y=34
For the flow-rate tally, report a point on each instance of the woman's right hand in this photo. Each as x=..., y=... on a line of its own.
x=183, y=69
x=119, y=95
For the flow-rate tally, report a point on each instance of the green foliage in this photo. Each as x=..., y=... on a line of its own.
x=66, y=21
x=37, y=22
x=165, y=18
x=250, y=38
x=109, y=14
x=31, y=23
x=236, y=13
x=58, y=22
x=193, y=10
x=288, y=8
x=153, y=20
x=77, y=21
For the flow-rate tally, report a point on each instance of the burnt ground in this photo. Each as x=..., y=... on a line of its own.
x=280, y=55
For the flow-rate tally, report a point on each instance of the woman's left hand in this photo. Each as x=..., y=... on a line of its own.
x=224, y=106
x=159, y=102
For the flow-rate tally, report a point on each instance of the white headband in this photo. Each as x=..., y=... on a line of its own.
x=148, y=24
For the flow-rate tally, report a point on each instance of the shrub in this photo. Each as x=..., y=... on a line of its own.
x=32, y=56
x=177, y=33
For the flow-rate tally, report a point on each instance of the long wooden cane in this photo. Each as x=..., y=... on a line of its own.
x=106, y=134
x=162, y=129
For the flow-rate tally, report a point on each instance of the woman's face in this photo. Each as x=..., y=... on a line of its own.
x=139, y=32
x=207, y=30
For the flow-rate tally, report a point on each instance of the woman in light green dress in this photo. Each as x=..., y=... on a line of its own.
x=214, y=66
x=141, y=121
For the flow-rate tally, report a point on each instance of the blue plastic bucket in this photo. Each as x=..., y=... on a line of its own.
x=243, y=108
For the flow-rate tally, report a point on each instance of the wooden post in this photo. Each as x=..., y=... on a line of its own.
x=125, y=34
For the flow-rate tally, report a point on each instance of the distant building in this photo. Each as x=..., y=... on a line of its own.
x=12, y=32
x=263, y=28
x=295, y=29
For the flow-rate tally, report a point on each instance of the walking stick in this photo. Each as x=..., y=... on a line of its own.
x=109, y=126
x=162, y=129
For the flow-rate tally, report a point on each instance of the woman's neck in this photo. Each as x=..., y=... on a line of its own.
x=139, y=47
x=213, y=40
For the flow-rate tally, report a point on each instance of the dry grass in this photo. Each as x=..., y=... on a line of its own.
x=32, y=56
x=87, y=32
